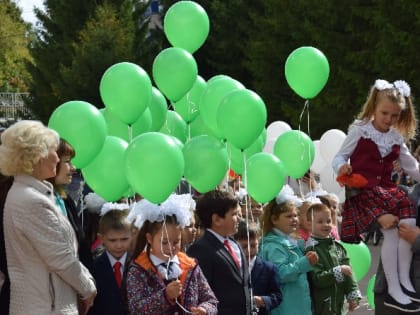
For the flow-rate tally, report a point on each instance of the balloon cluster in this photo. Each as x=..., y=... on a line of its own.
x=136, y=144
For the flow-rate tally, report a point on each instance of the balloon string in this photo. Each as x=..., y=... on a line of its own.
x=226, y=184
x=247, y=209
x=130, y=139
x=130, y=134
x=170, y=257
x=306, y=108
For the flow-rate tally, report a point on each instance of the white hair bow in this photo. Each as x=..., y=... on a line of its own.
x=401, y=85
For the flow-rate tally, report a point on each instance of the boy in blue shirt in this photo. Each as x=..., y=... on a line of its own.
x=265, y=279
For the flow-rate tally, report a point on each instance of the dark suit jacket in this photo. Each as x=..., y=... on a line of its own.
x=229, y=284
x=109, y=300
x=85, y=255
x=265, y=281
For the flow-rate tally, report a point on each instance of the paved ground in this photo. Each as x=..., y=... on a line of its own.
x=364, y=308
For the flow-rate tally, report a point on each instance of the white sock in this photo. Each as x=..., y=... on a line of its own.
x=405, y=256
x=389, y=257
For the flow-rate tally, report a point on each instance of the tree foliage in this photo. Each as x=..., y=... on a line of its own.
x=14, y=53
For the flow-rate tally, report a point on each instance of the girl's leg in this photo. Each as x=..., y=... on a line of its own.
x=405, y=256
x=389, y=257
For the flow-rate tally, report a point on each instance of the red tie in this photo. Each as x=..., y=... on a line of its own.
x=117, y=273
x=232, y=253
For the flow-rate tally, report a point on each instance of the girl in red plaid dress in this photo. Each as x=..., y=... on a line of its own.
x=374, y=141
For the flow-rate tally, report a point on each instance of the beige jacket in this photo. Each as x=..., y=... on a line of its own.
x=41, y=250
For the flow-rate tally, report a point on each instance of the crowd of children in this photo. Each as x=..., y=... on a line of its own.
x=225, y=253
x=203, y=256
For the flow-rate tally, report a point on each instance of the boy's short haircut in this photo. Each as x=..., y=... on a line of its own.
x=253, y=230
x=214, y=202
x=114, y=220
x=316, y=208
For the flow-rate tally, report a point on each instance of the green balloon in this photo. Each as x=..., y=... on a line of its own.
x=142, y=124
x=105, y=174
x=296, y=150
x=186, y=25
x=158, y=109
x=174, y=72
x=360, y=259
x=236, y=155
x=82, y=126
x=175, y=126
x=126, y=90
x=370, y=294
x=154, y=165
x=265, y=176
x=307, y=71
x=215, y=91
x=198, y=128
x=241, y=117
x=206, y=163
x=187, y=106
x=121, y=130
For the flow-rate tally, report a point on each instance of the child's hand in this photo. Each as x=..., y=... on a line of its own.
x=353, y=305
x=259, y=302
x=345, y=169
x=312, y=257
x=173, y=289
x=198, y=311
x=388, y=221
x=346, y=270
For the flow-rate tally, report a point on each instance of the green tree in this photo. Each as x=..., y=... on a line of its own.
x=107, y=38
x=14, y=53
x=58, y=35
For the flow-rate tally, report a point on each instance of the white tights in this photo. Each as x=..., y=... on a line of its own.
x=396, y=256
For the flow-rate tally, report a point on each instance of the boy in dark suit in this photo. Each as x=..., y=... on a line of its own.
x=265, y=279
x=219, y=255
x=108, y=268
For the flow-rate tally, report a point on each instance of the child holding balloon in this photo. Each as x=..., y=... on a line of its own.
x=374, y=141
x=161, y=279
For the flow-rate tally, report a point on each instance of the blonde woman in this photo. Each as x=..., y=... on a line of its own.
x=45, y=274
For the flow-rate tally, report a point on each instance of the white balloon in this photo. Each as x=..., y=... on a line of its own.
x=342, y=195
x=276, y=128
x=330, y=143
x=328, y=182
x=269, y=145
x=319, y=162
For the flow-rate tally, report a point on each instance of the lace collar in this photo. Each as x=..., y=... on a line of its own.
x=382, y=139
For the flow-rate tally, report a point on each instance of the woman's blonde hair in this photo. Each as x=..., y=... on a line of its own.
x=272, y=211
x=406, y=124
x=23, y=145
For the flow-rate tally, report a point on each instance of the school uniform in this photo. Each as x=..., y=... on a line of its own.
x=265, y=283
x=109, y=300
x=229, y=282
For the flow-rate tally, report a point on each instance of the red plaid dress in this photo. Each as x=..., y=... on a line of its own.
x=380, y=196
x=361, y=211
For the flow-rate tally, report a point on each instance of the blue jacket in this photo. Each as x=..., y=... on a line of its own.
x=292, y=267
x=266, y=283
